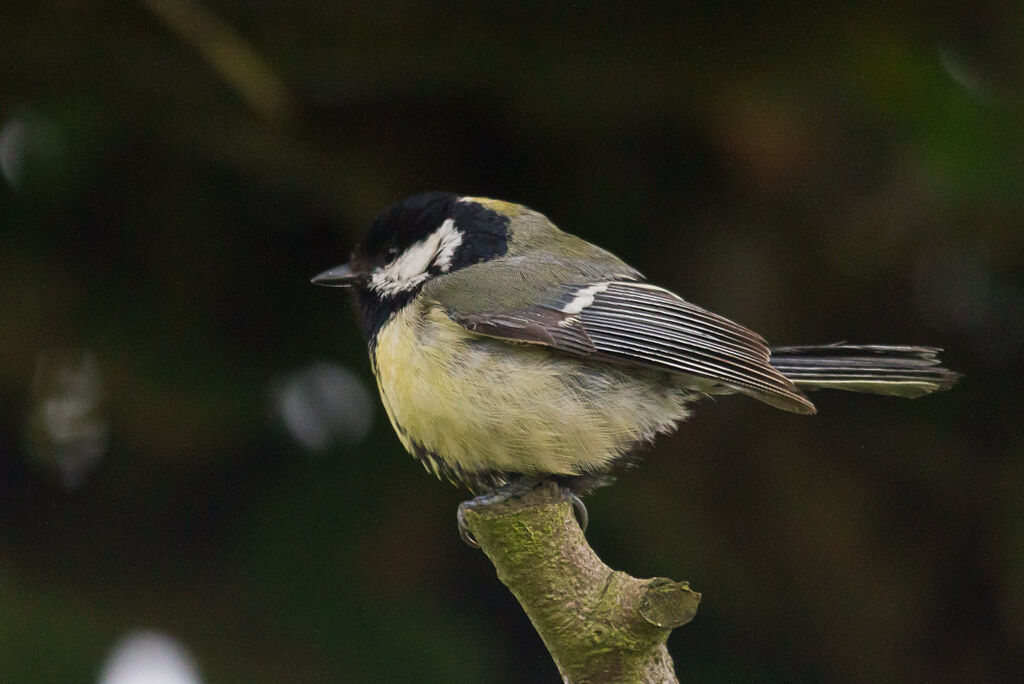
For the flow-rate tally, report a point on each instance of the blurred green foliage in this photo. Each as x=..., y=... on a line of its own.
x=173, y=173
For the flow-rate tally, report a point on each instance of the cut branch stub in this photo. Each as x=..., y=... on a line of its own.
x=599, y=625
x=669, y=604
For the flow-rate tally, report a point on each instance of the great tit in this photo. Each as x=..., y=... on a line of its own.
x=505, y=348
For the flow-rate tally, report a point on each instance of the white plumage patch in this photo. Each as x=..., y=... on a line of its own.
x=451, y=238
x=583, y=298
x=409, y=268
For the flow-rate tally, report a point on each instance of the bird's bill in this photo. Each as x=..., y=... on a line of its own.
x=339, y=276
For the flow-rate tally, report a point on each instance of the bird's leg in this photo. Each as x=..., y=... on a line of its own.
x=513, y=489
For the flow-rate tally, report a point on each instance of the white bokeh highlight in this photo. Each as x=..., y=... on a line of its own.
x=68, y=429
x=323, y=404
x=146, y=657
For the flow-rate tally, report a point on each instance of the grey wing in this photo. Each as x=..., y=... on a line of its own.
x=640, y=324
x=652, y=326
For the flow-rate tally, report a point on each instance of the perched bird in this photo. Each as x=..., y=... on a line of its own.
x=506, y=349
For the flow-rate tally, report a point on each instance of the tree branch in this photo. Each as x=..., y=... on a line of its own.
x=600, y=625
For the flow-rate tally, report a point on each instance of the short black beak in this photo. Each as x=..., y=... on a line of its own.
x=339, y=276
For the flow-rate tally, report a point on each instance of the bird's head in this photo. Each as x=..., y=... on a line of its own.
x=415, y=240
x=422, y=237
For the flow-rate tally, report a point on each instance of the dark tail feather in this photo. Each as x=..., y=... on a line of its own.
x=876, y=368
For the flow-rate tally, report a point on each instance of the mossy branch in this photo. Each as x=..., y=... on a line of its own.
x=600, y=625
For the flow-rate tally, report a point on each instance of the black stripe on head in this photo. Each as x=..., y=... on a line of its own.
x=402, y=225
x=406, y=223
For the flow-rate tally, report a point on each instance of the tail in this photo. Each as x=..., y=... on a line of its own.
x=877, y=369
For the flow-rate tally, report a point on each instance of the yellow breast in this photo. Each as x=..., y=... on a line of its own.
x=482, y=405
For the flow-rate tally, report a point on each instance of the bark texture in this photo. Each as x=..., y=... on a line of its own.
x=600, y=625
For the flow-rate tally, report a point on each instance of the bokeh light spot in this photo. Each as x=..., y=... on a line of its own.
x=322, y=404
x=68, y=430
x=145, y=657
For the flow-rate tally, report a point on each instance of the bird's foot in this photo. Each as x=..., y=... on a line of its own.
x=512, y=490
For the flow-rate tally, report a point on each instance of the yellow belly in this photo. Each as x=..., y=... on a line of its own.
x=481, y=405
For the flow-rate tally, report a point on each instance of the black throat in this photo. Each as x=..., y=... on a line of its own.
x=375, y=310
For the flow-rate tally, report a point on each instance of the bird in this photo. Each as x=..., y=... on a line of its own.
x=507, y=351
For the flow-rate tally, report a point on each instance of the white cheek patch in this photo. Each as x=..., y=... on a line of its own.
x=410, y=268
x=450, y=240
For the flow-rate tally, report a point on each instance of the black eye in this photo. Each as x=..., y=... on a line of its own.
x=391, y=252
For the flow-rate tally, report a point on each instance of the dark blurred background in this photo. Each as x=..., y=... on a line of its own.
x=195, y=471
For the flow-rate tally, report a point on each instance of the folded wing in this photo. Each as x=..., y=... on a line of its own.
x=635, y=323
